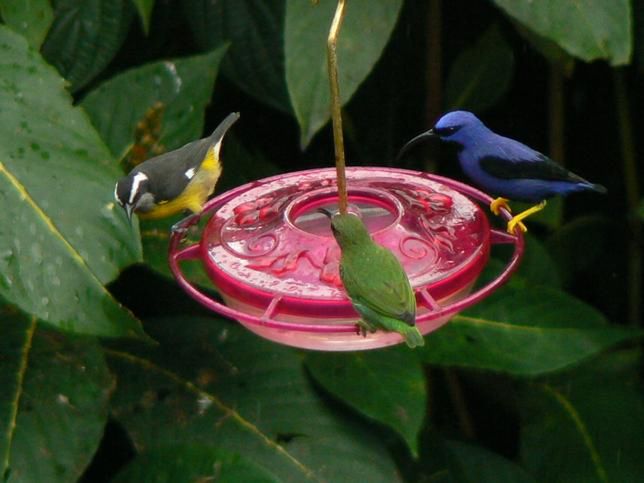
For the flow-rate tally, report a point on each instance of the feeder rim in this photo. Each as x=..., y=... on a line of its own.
x=191, y=252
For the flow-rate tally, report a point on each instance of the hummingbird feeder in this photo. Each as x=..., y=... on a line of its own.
x=274, y=260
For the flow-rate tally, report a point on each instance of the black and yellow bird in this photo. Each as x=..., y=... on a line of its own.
x=175, y=181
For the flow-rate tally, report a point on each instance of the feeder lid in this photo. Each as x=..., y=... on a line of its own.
x=269, y=242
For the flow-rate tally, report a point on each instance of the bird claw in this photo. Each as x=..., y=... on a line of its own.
x=517, y=219
x=513, y=223
x=182, y=226
x=497, y=204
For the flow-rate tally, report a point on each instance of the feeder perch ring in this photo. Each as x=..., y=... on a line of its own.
x=274, y=261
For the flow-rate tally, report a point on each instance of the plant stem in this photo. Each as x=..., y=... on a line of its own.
x=631, y=182
x=336, y=106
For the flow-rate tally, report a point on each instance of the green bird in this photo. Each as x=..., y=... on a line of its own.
x=375, y=281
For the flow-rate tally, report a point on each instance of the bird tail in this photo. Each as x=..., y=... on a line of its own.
x=598, y=188
x=413, y=337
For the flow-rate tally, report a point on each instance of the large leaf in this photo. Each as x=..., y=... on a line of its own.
x=524, y=331
x=31, y=18
x=387, y=385
x=183, y=87
x=63, y=238
x=15, y=344
x=589, y=29
x=212, y=382
x=587, y=427
x=255, y=29
x=192, y=463
x=61, y=399
x=85, y=36
x=480, y=75
x=366, y=30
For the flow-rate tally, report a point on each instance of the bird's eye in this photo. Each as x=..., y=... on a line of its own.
x=446, y=131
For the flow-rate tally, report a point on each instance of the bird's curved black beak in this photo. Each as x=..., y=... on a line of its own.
x=128, y=211
x=414, y=141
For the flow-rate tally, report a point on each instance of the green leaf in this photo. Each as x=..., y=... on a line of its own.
x=480, y=75
x=255, y=29
x=56, y=183
x=587, y=427
x=191, y=463
x=367, y=26
x=212, y=382
x=31, y=18
x=85, y=36
x=589, y=30
x=471, y=463
x=524, y=331
x=183, y=86
x=387, y=386
x=15, y=344
x=62, y=398
x=144, y=9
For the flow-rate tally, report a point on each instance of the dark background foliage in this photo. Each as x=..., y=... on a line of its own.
x=540, y=382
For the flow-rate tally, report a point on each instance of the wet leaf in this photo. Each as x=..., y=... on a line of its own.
x=85, y=36
x=365, y=32
x=386, y=385
x=182, y=86
x=589, y=30
x=30, y=18
x=63, y=237
x=212, y=382
x=61, y=398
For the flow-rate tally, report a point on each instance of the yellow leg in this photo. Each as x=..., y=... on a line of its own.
x=497, y=204
x=516, y=219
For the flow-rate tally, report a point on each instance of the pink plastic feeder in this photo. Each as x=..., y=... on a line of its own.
x=274, y=261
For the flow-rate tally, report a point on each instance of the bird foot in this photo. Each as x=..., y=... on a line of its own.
x=182, y=226
x=363, y=327
x=497, y=204
x=517, y=219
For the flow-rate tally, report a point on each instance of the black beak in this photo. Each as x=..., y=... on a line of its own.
x=128, y=211
x=414, y=141
x=325, y=212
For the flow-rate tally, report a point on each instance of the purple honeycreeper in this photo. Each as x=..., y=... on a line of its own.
x=504, y=167
x=375, y=281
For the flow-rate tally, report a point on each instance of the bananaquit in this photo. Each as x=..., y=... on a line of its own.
x=182, y=179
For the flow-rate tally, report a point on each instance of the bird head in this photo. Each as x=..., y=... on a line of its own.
x=457, y=127
x=132, y=193
x=348, y=229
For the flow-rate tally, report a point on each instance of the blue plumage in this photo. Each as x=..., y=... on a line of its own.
x=502, y=166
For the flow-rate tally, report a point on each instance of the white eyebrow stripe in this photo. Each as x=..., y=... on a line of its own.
x=190, y=173
x=138, y=179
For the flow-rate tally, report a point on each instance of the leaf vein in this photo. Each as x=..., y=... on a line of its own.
x=228, y=411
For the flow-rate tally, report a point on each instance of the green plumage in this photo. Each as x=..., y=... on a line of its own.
x=375, y=281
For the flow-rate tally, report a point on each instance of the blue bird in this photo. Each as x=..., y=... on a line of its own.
x=504, y=167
